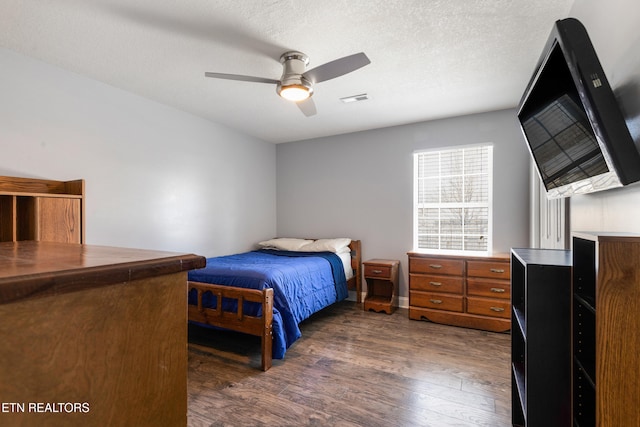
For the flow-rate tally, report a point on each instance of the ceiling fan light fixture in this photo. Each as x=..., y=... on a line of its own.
x=296, y=83
x=295, y=92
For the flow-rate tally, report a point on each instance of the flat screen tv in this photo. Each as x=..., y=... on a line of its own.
x=571, y=120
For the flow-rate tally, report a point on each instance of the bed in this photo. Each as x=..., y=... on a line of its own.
x=269, y=291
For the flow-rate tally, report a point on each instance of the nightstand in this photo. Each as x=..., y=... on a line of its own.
x=381, y=276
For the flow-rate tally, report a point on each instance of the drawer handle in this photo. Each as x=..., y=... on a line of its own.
x=497, y=290
x=376, y=271
x=436, y=301
x=497, y=309
x=435, y=283
x=496, y=270
x=436, y=266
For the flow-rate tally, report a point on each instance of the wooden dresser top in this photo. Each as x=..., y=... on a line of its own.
x=30, y=269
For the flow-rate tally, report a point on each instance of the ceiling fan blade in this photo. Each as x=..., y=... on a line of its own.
x=308, y=107
x=240, y=78
x=337, y=68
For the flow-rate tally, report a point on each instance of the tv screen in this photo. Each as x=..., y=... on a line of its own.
x=571, y=121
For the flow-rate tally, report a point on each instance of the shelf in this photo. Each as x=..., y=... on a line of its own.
x=584, y=397
x=518, y=375
x=53, y=195
x=519, y=317
x=378, y=300
x=583, y=371
x=584, y=335
x=41, y=210
x=586, y=301
x=540, y=342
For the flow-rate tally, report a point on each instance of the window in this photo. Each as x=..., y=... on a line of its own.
x=452, y=200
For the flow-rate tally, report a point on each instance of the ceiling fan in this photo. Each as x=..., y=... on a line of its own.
x=296, y=83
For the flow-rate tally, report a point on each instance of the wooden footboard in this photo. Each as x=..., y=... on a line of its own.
x=237, y=321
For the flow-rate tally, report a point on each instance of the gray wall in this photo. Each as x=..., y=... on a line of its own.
x=155, y=177
x=615, y=34
x=360, y=185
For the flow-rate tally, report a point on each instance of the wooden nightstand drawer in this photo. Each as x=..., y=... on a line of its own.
x=448, y=284
x=437, y=301
x=452, y=267
x=378, y=271
x=491, y=269
x=489, y=307
x=489, y=288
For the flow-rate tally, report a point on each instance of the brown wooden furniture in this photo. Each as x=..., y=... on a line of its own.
x=540, y=337
x=102, y=329
x=472, y=292
x=42, y=210
x=605, y=329
x=382, y=284
x=259, y=326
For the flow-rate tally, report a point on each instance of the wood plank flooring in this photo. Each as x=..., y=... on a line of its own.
x=353, y=368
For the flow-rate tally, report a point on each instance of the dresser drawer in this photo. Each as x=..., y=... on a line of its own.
x=489, y=307
x=379, y=271
x=489, y=288
x=491, y=269
x=453, y=267
x=436, y=301
x=429, y=283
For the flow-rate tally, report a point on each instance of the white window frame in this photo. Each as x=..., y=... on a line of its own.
x=440, y=205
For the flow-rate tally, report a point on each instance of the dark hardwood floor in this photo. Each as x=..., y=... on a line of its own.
x=353, y=368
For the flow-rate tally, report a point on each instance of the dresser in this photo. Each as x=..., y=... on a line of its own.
x=472, y=292
x=93, y=335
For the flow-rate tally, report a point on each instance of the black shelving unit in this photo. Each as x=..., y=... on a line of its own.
x=584, y=339
x=541, y=337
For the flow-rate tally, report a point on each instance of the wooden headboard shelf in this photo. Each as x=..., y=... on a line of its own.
x=41, y=210
x=32, y=186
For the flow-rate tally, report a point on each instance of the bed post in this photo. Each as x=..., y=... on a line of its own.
x=267, y=338
x=356, y=264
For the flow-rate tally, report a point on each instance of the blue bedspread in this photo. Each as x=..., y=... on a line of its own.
x=303, y=283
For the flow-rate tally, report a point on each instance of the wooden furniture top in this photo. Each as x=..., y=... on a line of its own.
x=546, y=257
x=494, y=257
x=609, y=236
x=30, y=269
x=35, y=187
x=385, y=262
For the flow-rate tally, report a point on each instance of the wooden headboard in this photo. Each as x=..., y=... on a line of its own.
x=356, y=263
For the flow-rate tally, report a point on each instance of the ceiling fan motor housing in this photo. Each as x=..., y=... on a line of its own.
x=294, y=65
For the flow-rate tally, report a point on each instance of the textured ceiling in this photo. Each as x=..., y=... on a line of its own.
x=429, y=58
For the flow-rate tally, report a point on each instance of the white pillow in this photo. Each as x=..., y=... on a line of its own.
x=284, y=244
x=337, y=246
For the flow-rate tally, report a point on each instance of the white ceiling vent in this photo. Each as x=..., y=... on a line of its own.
x=354, y=98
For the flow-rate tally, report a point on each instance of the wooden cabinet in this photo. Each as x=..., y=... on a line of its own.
x=540, y=337
x=605, y=329
x=471, y=292
x=381, y=276
x=101, y=331
x=42, y=210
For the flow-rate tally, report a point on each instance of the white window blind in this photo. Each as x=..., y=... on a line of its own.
x=452, y=200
